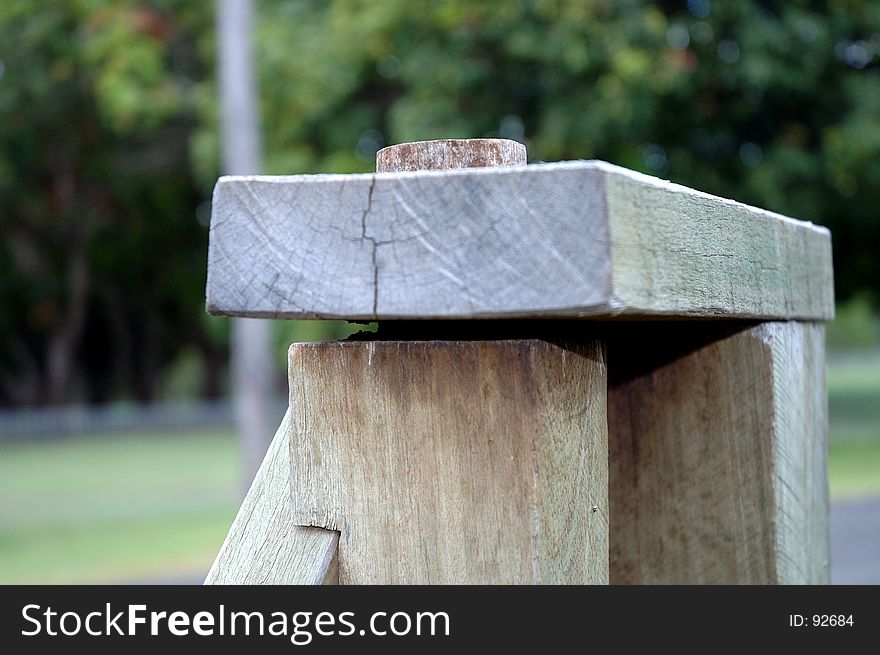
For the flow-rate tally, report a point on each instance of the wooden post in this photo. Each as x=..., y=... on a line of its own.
x=718, y=467
x=465, y=450
x=453, y=461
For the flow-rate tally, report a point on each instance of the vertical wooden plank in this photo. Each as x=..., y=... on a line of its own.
x=263, y=545
x=453, y=461
x=718, y=455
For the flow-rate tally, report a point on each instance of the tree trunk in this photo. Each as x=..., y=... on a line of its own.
x=62, y=343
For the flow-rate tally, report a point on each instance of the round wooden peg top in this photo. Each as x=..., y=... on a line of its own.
x=445, y=154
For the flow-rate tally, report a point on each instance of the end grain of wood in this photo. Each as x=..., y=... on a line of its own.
x=445, y=154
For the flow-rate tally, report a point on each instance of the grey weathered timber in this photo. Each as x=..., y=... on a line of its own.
x=264, y=546
x=717, y=455
x=570, y=239
x=445, y=154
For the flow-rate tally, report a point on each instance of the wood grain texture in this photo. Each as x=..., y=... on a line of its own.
x=718, y=456
x=264, y=546
x=800, y=451
x=681, y=253
x=453, y=462
x=445, y=154
x=572, y=239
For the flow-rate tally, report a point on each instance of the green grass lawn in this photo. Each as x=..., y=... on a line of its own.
x=854, y=425
x=114, y=508
x=146, y=507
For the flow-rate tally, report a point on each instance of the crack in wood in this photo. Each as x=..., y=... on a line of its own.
x=374, y=244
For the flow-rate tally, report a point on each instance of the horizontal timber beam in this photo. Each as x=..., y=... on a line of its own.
x=570, y=239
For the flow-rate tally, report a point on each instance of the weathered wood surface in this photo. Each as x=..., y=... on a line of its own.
x=453, y=462
x=576, y=239
x=263, y=545
x=718, y=455
x=445, y=154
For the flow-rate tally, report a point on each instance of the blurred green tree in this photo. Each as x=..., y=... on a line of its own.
x=102, y=259
x=109, y=139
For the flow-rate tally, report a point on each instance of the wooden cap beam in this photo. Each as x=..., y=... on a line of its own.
x=582, y=239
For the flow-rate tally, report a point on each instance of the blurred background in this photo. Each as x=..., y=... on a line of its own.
x=122, y=455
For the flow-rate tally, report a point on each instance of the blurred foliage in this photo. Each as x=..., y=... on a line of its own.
x=109, y=141
x=102, y=263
